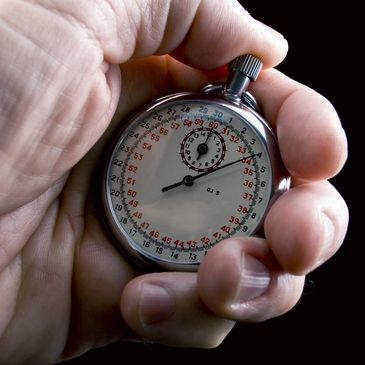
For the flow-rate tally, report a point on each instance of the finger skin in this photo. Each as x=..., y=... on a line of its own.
x=312, y=141
x=179, y=309
x=226, y=284
x=306, y=226
x=303, y=229
x=166, y=308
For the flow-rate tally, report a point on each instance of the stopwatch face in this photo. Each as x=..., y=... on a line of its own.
x=186, y=174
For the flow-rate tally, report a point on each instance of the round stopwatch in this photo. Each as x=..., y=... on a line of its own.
x=190, y=170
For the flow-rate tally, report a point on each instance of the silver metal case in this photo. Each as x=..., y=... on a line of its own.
x=213, y=95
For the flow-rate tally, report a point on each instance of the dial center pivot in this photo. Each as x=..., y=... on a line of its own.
x=202, y=149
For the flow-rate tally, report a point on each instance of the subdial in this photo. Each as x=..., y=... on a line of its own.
x=203, y=149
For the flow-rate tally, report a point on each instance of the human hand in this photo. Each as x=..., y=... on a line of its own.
x=60, y=278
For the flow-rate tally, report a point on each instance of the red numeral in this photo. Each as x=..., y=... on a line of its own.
x=234, y=220
x=138, y=215
x=137, y=156
x=132, y=193
x=130, y=181
x=205, y=240
x=241, y=149
x=213, y=125
x=242, y=209
x=248, y=171
x=132, y=168
x=154, y=234
x=217, y=235
x=155, y=137
x=167, y=240
x=188, y=123
x=163, y=131
x=248, y=183
x=144, y=225
x=226, y=229
x=133, y=203
x=147, y=146
x=234, y=139
x=179, y=243
x=191, y=243
x=175, y=125
x=199, y=122
x=226, y=131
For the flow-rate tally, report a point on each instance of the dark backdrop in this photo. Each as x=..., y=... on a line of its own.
x=324, y=45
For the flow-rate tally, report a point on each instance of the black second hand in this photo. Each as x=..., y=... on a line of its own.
x=191, y=179
x=205, y=143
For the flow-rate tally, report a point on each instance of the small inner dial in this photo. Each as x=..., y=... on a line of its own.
x=203, y=149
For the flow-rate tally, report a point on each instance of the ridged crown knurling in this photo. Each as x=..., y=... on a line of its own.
x=248, y=65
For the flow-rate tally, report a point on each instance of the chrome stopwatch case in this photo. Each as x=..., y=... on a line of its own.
x=190, y=170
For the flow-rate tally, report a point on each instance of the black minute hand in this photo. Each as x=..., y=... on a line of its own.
x=188, y=180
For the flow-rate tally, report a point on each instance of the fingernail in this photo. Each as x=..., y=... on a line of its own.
x=254, y=281
x=327, y=237
x=329, y=229
x=156, y=304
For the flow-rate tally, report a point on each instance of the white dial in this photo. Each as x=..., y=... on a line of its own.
x=185, y=175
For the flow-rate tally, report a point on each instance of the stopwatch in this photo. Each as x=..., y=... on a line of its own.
x=192, y=169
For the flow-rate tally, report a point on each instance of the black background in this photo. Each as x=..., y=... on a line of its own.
x=324, y=54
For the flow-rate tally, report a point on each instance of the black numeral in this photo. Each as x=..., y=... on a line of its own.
x=117, y=162
x=171, y=111
x=203, y=109
x=157, y=116
x=119, y=208
x=115, y=192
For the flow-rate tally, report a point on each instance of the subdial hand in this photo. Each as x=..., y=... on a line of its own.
x=203, y=147
x=188, y=180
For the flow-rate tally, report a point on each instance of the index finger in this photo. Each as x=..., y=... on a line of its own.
x=204, y=33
